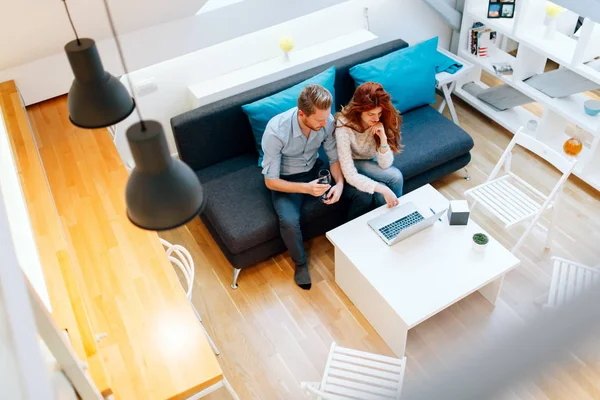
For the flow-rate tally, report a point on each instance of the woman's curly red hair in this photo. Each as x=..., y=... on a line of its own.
x=366, y=97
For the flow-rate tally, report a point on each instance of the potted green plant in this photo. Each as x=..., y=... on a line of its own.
x=480, y=241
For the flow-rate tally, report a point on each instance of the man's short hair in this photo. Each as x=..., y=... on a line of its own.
x=313, y=97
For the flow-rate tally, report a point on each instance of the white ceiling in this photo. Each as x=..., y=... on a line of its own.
x=35, y=29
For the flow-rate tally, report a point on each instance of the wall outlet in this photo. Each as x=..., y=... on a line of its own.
x=146, y=87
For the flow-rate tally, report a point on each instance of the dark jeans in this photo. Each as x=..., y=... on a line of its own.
x=288, y=206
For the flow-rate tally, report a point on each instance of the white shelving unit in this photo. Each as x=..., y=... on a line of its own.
x=527, y=28
x=478, y=12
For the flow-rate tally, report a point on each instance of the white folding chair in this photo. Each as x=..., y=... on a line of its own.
x=180, y=257
x=569, y=279
x=511, y=199
x=352, y=374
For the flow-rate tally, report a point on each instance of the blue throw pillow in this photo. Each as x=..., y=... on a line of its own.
x=261, y=111
x=408, y=74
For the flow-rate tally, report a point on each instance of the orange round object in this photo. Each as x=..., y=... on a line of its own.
x=573, y=146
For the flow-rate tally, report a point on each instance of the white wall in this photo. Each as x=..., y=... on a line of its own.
x=35, y=29
x=411, y=20
x=586, y=8
x=10, y=381
x=23, y=373
x=173, y=77
x=211, y=5
x=51, y=76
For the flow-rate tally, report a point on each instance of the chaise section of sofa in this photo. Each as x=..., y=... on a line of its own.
x=433, y=147
x=216, y=141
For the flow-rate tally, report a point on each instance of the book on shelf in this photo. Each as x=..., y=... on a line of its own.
x=482, y=40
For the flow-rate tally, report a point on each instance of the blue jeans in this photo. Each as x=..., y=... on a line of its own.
x=391, y=177
x=288, y=206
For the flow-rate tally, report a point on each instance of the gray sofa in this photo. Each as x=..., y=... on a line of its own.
x=216, y=141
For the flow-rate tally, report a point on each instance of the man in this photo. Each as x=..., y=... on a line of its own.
x=290, y=166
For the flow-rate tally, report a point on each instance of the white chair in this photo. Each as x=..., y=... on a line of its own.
x=222, y=383
x=569, y=279
x=180, y=257
x=514, y=201
x=352, y=374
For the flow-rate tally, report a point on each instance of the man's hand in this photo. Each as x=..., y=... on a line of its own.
x=314, y=188
x=334, y=194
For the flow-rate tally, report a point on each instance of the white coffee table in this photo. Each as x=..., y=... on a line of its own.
x=397, y=287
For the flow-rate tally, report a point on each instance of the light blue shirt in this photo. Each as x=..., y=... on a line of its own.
x=288, y=151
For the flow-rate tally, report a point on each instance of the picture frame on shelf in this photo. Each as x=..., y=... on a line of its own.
x=494, y=9
x=508, y=10
x=501, y=9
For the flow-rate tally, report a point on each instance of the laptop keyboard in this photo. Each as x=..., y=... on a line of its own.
x=392, y=230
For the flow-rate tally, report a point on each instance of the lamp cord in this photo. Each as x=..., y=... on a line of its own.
x=71, y=21
x=114, y=33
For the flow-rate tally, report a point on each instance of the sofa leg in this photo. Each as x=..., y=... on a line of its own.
x=467, y=176
x=236, y=273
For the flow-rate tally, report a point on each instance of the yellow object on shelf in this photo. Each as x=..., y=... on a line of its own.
x=286, y=43
x=552, y=10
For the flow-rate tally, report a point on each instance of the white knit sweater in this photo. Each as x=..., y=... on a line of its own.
x=353, y=145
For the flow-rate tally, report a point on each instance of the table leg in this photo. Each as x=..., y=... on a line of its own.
x=492, y=290
x=447, y=89
x=443, y=103
x=373, y=306
x=399, y=344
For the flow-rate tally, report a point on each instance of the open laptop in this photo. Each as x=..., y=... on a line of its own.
x=403, y=221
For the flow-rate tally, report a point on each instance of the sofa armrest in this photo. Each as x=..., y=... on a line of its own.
x=212, y=133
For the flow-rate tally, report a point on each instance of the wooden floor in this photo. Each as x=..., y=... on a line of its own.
x=273, y=335
x=113, y=277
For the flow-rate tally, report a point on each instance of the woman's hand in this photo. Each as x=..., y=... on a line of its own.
x=379, y=130
x=390, y=198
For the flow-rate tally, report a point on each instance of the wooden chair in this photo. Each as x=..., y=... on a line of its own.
x=180, y=257
x=569, y=279
x=514, y=201
x=352, y=374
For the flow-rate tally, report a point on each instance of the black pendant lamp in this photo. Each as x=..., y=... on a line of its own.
x=162, y=193
x=96, y=98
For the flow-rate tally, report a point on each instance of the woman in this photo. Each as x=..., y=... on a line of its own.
x=367, y=135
